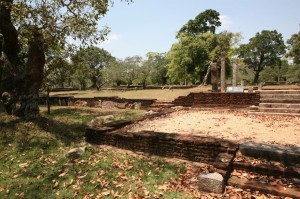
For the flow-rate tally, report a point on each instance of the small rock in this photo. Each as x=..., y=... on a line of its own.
x=224, y=157
x=80, y=103
x=99, y=121
x=150, y=113
x=137, y=105
x=177, y=108
x=211, y=182
x=76, y=152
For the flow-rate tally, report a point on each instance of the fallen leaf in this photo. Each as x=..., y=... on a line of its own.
x=17, y=175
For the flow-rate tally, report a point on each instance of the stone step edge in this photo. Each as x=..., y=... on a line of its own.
x=279, y=104
x=265, y=188
x=275, y=114
x=280, y=110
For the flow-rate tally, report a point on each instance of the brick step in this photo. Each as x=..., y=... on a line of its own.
x=280, y=96
x=279, y=110
x=290, y=101
x=264, y=187
x=279, y=105
x=262, y=92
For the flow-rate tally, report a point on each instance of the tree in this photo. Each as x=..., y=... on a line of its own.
x=198, y=46
x=276, y=72
x=95, y=59
x=206, y=21
x=156, y=64
x=294, y=47
x=58, y=69
x=32, y=27
x=189, y=59
x=189, y=56
x=264, y=49
x=60, y=72
x=130, y=66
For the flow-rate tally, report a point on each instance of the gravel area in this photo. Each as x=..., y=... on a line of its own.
x=230, y=125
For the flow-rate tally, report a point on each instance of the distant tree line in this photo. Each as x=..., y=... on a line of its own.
x=265, y=58
x=35, y=51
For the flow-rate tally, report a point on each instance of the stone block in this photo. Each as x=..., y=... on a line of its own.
x=285, y=154
x=211, y=182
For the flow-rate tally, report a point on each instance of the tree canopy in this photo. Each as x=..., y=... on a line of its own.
x=94, y=59
x=206, y=21
x=264, y=49
x=31, y=28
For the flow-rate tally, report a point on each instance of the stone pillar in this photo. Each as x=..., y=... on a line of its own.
x=214, y=76
x=234, y=72
x=223, y=73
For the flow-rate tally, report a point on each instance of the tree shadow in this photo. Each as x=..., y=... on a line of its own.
x=45, y=131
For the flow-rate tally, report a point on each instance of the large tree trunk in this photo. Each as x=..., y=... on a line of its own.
x=10, y=47
x=256, y=77
x=33, y=77
x=20, y=87
x=9, y=52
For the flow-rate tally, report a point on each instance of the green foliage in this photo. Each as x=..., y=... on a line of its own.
x=131, y=68
x=190, y=56
x=198, y=46
x=153, y=70
x=206, y=21
x=294, y=48
x=275, y=73
x=114, y=73
x=90, y=63
x=293, y=73
x=265, y=49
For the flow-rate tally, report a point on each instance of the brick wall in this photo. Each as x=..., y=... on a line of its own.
x=188, y=147
x=218, y=100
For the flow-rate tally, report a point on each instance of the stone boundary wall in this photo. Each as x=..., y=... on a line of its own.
x=107, y=102
x=218, y=100
x=213, y=151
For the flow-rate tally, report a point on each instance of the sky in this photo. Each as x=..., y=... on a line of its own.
x=150, y=25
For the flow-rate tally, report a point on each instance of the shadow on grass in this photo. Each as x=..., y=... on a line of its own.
x=62, y=126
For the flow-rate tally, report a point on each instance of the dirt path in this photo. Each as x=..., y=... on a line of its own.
x=229, y=125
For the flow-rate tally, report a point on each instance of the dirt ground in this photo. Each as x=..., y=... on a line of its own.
x=230, y=125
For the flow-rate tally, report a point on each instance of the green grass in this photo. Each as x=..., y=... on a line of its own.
x=33, y=162
x=160, y=94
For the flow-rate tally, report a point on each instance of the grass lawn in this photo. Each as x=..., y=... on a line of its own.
x=33, y=162
x=160, y=94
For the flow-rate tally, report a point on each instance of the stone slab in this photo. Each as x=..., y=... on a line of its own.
x=285, y=154
x=233, y=89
